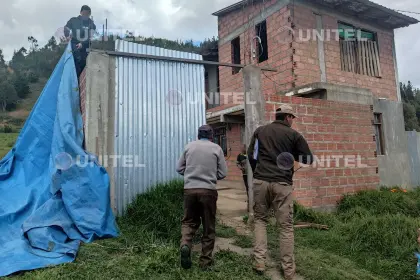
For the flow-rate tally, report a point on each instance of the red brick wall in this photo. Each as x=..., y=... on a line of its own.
x=296, y=60
x=279, y=52
x=234, y=145
x=331, y=129
x=307, y=63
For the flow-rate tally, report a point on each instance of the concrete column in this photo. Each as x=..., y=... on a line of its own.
x=321, y=51
x=100, y=112
x=397, y=80
x=254, y=117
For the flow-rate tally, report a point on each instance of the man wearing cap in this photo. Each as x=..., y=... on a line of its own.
x=273, y=185
x=202, y=164
x=81, y=28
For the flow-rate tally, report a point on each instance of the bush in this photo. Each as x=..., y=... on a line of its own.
x=7, y=129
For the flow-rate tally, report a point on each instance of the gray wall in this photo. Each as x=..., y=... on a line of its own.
x=99, y=124
x=413, y=140
x=394, y=167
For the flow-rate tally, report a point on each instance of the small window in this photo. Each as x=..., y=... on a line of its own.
x=359, y=51
x=379, y=137
x=220, y=138
x=262, y=45
x=236, y=53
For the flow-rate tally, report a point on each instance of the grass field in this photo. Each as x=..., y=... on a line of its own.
x=372, y=236
x=147, y=248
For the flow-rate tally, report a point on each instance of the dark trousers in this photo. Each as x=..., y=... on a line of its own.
x=80, y=56
x=200, y=207
x=245, y=177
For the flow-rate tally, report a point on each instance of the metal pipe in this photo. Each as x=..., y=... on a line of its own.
x=175, y=59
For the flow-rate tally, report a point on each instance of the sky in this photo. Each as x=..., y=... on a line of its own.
x=172, y=19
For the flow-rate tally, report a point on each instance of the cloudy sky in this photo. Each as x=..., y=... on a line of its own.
x=173, y=19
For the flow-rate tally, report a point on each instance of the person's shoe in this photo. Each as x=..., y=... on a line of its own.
x=209, y=266
x=259, y=268
x=186, y=257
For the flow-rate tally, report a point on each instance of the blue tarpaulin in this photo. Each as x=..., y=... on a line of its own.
x=46, y=212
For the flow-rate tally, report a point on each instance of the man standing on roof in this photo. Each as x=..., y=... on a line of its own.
x=202, y=163
x=273, y=184
x=82, y=28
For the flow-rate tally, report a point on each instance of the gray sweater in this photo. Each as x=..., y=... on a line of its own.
x=202, y=164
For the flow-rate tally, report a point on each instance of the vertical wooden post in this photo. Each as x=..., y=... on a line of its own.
x=254, y=117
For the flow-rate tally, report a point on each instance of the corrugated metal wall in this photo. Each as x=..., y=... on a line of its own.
x=159, y=107
x=413, y=140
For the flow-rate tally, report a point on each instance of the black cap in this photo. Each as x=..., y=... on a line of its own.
x=85, y=8
x=205, y=131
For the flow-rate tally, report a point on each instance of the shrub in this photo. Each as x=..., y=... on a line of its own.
x=7, y=129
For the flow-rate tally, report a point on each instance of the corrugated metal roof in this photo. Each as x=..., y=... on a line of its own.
x=362, y=9
x=159, y=107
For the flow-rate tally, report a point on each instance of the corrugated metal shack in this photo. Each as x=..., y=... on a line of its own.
x=139, y=114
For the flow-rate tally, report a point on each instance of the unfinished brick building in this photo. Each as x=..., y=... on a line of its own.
x=336, y=64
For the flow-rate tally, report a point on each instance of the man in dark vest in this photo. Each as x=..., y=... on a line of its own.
x=82, y=28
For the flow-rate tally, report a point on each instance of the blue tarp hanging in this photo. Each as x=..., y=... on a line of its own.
x=45, y=212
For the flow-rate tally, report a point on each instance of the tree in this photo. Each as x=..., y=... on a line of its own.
x=407, y=93
x=18, y=62
x=8, y=95
x=21, y=85
x=34, y=43
x=410, y=118
x=52, y=44
x=2, y=61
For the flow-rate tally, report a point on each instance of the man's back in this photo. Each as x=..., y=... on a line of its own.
x=80, y=29
x=274, y=139
x=202, y=164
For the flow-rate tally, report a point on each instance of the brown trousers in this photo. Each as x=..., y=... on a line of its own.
x=200, y=204
x=280, y=197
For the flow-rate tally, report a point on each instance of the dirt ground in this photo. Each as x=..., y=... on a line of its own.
x=232, y=207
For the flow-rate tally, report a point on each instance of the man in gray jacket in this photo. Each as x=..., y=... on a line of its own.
x=202, y=164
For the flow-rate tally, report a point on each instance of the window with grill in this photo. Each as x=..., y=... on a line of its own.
x=262, y=44
x=359, y=51
x=220, y=138
x=236, y=54
x=379, y=137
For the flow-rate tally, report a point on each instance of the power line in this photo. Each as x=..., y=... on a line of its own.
x=402, y=11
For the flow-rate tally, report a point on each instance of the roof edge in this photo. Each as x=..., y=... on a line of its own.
x=408, y=20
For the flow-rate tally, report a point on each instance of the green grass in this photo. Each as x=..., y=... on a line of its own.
x=148, y=247
x=372, y=235
x=243, y=241
x=7, y=141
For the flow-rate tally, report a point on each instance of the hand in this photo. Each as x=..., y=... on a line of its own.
x=79, y=46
